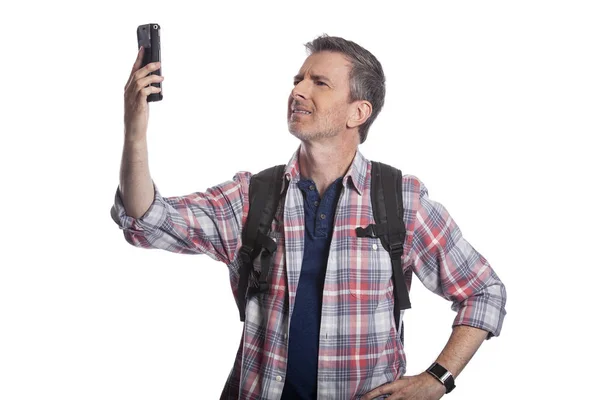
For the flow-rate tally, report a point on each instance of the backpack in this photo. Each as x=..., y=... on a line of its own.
x=265, y=193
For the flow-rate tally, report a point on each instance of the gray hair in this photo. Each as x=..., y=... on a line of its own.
x=367, y=81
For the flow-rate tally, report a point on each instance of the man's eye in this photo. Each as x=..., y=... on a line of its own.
x=321, y=83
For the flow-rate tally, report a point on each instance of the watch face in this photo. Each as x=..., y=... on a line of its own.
x=442, y=375
x=438, y=370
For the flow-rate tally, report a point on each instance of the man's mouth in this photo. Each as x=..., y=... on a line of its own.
x=299, y=111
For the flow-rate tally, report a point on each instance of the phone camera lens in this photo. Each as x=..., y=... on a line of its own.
x=155, y=26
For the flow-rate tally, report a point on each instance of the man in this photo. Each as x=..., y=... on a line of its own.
x=325, y=328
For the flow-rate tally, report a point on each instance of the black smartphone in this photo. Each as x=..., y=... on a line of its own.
x=148, y=36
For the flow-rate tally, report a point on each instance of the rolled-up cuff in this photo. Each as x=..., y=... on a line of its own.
x=153, y=218
x=485, y=311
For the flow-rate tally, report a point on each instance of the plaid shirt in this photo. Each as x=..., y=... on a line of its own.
x=359, y=345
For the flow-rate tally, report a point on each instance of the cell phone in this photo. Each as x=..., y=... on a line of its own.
x=148, y=36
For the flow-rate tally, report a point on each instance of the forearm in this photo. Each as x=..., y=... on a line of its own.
x=137, y=190
x=462, y=345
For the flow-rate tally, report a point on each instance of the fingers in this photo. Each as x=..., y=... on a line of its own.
x=145, y=92
x=136, y=65
x=138, y=61
x=136, y=91
x=146, y=70
x=381, y=390
x=143, y=75
x=147, y=80
x=137, y=71
x=375, y=393
x=143, y=86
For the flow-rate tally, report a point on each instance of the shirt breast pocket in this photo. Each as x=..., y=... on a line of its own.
x=369, y=269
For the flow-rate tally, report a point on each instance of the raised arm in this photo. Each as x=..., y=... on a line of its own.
x=135, y=183
x=199, y=223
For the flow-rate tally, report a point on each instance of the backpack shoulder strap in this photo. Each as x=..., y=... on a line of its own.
x=264, y=195
x=388, y=212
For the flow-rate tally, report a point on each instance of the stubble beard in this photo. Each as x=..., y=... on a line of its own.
x=327, y=128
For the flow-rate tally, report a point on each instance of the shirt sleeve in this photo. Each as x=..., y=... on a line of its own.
x=199, y=223
x=449, y=266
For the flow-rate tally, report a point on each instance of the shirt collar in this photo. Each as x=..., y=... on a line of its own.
x=357, y=173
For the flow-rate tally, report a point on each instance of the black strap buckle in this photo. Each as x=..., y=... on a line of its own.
x=369, y=231
x=396, y=248
x=263, y=287
x=266, y=258
x=246, y=254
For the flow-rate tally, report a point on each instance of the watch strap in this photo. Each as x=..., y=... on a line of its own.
x=442, y=375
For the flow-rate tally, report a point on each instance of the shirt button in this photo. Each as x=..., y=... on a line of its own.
x=323, y=216
x=316, y=203
x=278, y=378
x=312, y=187
x=285, y=336
x=374, y=246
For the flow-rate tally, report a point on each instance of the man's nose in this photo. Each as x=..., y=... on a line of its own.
x=300, y=90
x=297, y=95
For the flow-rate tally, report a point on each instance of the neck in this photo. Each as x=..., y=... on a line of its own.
x=324, y=162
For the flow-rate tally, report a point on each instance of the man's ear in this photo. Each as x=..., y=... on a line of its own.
x=360, y=113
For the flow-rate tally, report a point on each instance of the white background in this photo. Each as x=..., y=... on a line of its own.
x=493, y=105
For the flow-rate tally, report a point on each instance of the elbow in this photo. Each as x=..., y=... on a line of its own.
x=485, y=309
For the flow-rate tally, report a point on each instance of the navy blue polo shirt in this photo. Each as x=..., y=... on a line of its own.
x=303, y=349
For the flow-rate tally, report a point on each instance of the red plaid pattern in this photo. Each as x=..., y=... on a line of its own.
x=359, y=346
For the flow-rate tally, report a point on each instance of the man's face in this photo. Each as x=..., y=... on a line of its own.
x=318, y=106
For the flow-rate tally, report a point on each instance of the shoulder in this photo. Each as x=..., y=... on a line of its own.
x=414, y=192
x=413, y=188
x=412, y=184
x=236, y=186
x=243, y=177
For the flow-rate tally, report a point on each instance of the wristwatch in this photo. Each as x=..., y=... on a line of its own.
x=443, y=375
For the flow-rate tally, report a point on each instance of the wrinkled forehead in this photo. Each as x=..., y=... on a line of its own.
x=332, y=65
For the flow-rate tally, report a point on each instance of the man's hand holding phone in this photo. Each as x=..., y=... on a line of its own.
x=137, y=90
